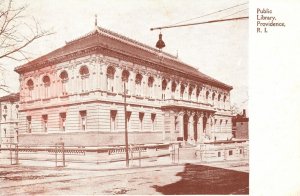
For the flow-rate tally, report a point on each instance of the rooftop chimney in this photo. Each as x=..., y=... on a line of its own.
x=244, y=113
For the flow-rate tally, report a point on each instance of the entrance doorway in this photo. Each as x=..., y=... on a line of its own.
x=185, y=127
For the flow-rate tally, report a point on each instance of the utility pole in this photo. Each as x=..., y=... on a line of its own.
x=126, y=131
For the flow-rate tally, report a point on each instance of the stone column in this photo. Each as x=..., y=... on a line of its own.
x=200, y=128
x=181, y=128
x=191, y=126
x=172, y=126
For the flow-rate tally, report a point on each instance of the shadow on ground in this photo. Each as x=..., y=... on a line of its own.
x=199, y=179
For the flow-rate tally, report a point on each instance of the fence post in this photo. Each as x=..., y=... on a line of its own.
x=17, y=154
x=55, y=155
x=10, y=152
x=140, y=157
x=63, y=154
x=178, y=155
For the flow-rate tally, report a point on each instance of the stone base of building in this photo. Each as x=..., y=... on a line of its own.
x=92, y=138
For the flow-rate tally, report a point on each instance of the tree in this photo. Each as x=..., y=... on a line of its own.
x=17, y=31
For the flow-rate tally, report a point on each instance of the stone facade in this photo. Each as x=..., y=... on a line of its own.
x=9, y=114
x=75, y=94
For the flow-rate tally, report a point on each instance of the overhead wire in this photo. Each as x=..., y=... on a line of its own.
x=234, y=13
x=211, y=13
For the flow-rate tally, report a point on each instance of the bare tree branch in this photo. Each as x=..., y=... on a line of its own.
x=17, y=31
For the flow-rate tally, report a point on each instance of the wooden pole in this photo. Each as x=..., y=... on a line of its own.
x=126, y=131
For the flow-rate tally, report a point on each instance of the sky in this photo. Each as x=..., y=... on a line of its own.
x=219, y=50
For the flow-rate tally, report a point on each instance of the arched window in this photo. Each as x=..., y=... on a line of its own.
x=125, y=78
x=198, y=90
x=30, y=87
x=150, y=86
x=4, y=112
x=110, y=78
x=164, y=86
x=219, y=98
x=182, y=88
x=206, y=96
x=191, y=88
x=46, y=81
x=173, y=89
x=64, y=79
x=84, y=73
x=138, y=82
x=213, y=98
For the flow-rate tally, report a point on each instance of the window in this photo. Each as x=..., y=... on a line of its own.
x=138, y=84
x=182, y=88
x=230, y=152
x=219, y=154
x=198, y=90
x=128, y=115
x=4, y=132
x=45, y=122
x=110, y=78
x=64, y=80
x=62, y=121
x=219, y=99
x=83, y=120
x=221, y=121
x=164, y=86
x=153, y=121
x=141, y=117
x=173, y=89
x=113, y=122
x=191, y=88
x=125, y=77
x=28, y=125
x=84, y=73
x=30, y=87
x=207, y=96
x=150, y=86
x=46, y=81
x=213, y=98
x=4, y=113
x=224, y=100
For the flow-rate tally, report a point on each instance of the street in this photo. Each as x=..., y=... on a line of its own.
x=215, y=178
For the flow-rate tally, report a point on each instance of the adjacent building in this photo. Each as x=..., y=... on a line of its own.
x=75, y=95
x=240, y=126
x=9, y=114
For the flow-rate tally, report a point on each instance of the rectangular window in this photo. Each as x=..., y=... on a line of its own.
x=28, y=125
x=4, y=132
x=45, y=122
x=62, y=121
x=153, y=121
x=230, y=152
x=219, y=154
x=141, y=117
x=113, y=121
x=83, y=120
x=128, y=115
